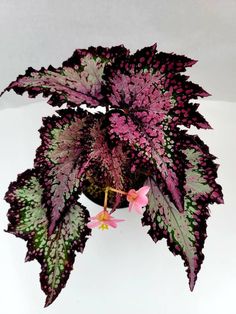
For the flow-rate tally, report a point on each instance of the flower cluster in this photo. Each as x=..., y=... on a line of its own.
x=137, y=200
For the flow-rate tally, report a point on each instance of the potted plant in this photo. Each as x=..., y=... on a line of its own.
x=131, y=152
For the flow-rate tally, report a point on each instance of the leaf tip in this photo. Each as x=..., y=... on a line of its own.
x=3, y=92
x=192, y=62
x=47, y=302
x=192, y=275
x=28, y=257
x=51, y=297
x=192, y=284
x=180, y=204
x=51, y=229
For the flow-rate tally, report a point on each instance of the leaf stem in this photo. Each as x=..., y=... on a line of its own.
x=106, y=198
x=107, y=189
x=117, y=191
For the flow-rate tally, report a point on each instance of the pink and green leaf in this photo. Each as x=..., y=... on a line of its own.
x=155, y=145
x=78, y=81
x=165, y=69
x=28, y=220
x=185, y=232
x=112, y=162
x=63, y=160
x=147, y=99
x=111, y=165
x=75, y=149
x=154, y=98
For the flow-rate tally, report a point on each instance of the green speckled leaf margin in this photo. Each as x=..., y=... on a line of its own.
x=28, y=221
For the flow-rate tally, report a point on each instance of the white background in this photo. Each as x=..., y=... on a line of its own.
x=122, y=270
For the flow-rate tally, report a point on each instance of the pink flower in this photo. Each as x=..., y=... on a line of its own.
x=138, y=199
x=103, y=220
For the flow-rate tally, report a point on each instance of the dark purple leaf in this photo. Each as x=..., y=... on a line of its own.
x=187, y=115
x=149, y=59
x=28, y=220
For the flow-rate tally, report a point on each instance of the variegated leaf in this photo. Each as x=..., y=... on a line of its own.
x=63, y=159
x=28, y=220
x=111, y=163
x=154, y=144
x=164, y=69
x=153, y=99
x=78, y=81
x=146, y=99
x=201, y=172
x=75, y=150
x=185, y=232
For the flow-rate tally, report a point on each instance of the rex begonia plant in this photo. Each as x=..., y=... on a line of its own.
x=131, y=152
